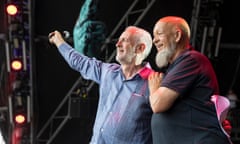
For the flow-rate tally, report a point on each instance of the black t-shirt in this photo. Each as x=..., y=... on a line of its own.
x=192, y=119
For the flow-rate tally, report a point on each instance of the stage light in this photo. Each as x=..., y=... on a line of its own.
x=20, y=106
x=20, y=119
x=12, y=9
x=16, y=65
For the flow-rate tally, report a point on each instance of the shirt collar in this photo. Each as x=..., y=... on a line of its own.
x=145, y=71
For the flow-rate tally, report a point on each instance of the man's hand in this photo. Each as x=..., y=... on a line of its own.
x=56, y=38
x=154, y=81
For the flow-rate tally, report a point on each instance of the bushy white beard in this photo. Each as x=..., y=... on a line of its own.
x=163, y=57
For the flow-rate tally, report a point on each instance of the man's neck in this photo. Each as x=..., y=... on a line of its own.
x=179, y=51
x=130, y=70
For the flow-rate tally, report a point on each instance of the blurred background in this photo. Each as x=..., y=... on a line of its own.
x=43, y=101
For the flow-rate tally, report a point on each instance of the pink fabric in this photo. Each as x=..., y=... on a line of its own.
x=145, y=72
x=222, y=105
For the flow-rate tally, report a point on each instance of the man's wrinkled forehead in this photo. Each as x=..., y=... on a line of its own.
x=159, y=27
x=126, y=35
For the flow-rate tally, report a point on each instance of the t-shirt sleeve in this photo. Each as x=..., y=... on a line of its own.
x=182, y=75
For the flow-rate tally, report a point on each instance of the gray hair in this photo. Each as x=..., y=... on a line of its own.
x=142, y=36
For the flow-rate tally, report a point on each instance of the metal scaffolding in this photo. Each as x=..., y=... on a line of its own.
x=19, y=90
x=205, y=28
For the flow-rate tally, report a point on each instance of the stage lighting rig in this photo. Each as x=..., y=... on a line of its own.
x=19, y=101
x=19, y=68
x=16, y=47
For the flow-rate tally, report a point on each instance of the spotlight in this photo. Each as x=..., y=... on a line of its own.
x=20, y=119
x=16, y=65
x=12, y=9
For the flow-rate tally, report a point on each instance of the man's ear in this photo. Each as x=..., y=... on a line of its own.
x=140, y=48
x=178, y=35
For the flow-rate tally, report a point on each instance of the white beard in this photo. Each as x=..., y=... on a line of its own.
x=126, y=59
x=163, y=57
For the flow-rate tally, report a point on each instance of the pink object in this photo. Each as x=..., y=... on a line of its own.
x=222, y=105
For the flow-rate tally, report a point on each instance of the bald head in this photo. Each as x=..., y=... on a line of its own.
x=178, y=22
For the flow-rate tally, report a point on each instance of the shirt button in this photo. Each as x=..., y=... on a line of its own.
x=101, y=129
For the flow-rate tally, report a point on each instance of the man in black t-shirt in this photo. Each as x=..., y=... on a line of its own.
x=181, y=97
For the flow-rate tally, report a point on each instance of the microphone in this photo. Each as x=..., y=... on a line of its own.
x=65, y=34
